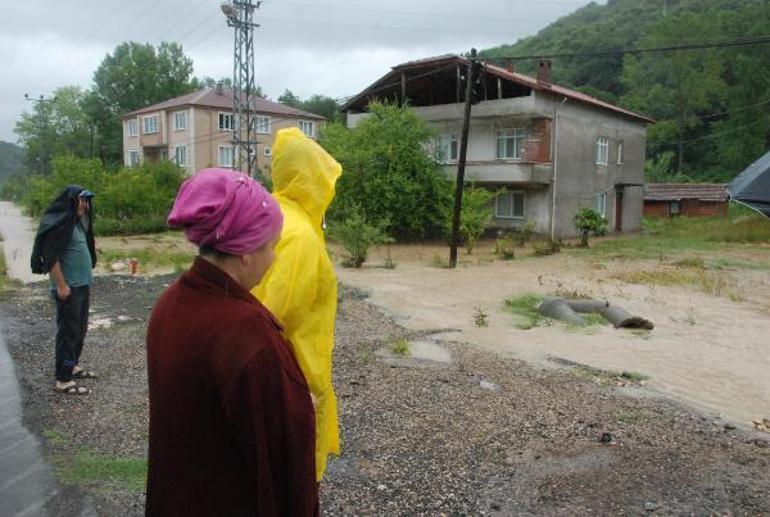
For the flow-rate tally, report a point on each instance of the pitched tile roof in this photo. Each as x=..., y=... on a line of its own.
x=223, y=99
x=680, y=191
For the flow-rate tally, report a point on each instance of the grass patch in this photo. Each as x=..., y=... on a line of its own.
x=150, y=258
x=710, y=282
x=55, y=438
x=480, y=318
x=627, y=416
x=87, y=467
x=525, y=308
x=401, y=347
x=663, y=237
x=737, y=263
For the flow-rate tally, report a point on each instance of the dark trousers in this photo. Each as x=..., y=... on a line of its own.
x=71, y=327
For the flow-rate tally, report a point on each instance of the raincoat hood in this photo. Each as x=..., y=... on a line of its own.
x=304, y=172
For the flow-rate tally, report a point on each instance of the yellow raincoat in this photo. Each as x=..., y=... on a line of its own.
x=300, y=287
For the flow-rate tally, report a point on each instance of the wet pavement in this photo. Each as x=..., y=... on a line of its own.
x=26, y=481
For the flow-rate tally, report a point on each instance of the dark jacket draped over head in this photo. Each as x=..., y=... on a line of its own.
x=55, y=231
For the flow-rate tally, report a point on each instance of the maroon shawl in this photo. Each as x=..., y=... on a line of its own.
x=232, y=428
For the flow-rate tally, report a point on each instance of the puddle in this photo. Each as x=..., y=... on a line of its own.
x=422, y=354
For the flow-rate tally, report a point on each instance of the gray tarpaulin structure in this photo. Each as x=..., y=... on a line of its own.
x=752, y=186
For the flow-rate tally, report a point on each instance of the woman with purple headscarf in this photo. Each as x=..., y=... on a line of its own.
x=232, y=426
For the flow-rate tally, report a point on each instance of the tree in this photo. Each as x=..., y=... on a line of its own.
x=589, y=222
x=675, y=87
x=57, y=126
x=132, y=77
x=322, y=105
x=388, y=173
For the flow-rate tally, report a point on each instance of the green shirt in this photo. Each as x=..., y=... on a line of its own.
x=75, y=262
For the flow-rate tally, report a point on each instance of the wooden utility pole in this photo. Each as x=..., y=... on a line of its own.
x=470, y=79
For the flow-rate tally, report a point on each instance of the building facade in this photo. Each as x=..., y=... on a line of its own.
x=545, y=150
x=195, y=130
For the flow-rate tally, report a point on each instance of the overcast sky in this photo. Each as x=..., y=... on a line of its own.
x=334, y=47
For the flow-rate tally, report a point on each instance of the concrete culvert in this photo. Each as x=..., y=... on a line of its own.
x=620, y=318
x=567, y=311
x=558, y=309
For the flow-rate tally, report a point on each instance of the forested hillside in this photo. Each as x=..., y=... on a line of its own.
x=712, y=106
x=11, y=158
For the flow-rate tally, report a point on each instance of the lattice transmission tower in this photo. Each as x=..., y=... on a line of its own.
x=240, y=14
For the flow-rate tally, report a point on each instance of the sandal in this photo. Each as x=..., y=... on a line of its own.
x=84, y=374
x=73, y=389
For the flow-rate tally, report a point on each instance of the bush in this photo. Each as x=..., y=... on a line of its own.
x=357, y=236
x=474, y=216
x=546, y=247
x=129, y=200
x=388, y=174
x=587, y=222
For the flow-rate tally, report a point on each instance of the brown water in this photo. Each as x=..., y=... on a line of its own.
x=18, y=233
x=705, y=350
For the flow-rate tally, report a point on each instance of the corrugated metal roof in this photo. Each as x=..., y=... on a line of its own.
x=680, y=191
x=515, y=77
x=212, y=98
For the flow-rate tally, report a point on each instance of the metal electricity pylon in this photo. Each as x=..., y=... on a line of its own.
x=239, y=15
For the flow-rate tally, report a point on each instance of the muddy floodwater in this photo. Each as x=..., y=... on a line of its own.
x=18, y=234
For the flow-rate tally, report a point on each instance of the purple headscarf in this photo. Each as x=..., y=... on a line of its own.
x=226, y=210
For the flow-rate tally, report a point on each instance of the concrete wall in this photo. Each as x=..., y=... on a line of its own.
x=578, y=178
x=574, y=130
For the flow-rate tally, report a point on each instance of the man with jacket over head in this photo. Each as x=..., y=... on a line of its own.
x=64, y=248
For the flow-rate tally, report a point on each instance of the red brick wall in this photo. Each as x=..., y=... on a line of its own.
x=689, y=208
x=695, y=208
x=537, y=147
x=655, y=209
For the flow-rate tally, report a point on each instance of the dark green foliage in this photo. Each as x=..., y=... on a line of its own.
x=589, y=222
x=134, y=76
x=712, y=106
x=357, y=236
x=474, y=216
x=135, y=200
x=11, y=160
x=318, y=104
x=387, y=174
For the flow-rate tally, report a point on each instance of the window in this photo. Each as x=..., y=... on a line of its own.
x=133, y=158
x=180, y=120
x=620, y=153
x=307, y=127
x=263, y=125
x=132, y=127
x=226, y=122
x=225, y=155
x=509, y=205
x=447, y=148
x=510, y=143
x=180, y=155
x=674, y=208
x=150, y=124
x=602, y=150
x=600, y=204
x=268, y=151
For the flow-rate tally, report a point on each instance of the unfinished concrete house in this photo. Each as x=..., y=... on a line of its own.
x=546, y=150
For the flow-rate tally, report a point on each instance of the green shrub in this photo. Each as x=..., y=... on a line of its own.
x=357, y=236
x=589, y=222
x=546, y=247
x=129, y=200
x=474, y=216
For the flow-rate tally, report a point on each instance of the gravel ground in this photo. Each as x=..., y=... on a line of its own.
x=481, y=435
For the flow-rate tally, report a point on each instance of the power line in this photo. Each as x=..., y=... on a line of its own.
x=759, y=40
x=410, y=13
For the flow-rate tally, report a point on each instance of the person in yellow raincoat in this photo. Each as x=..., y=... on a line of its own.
x=300, y=288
